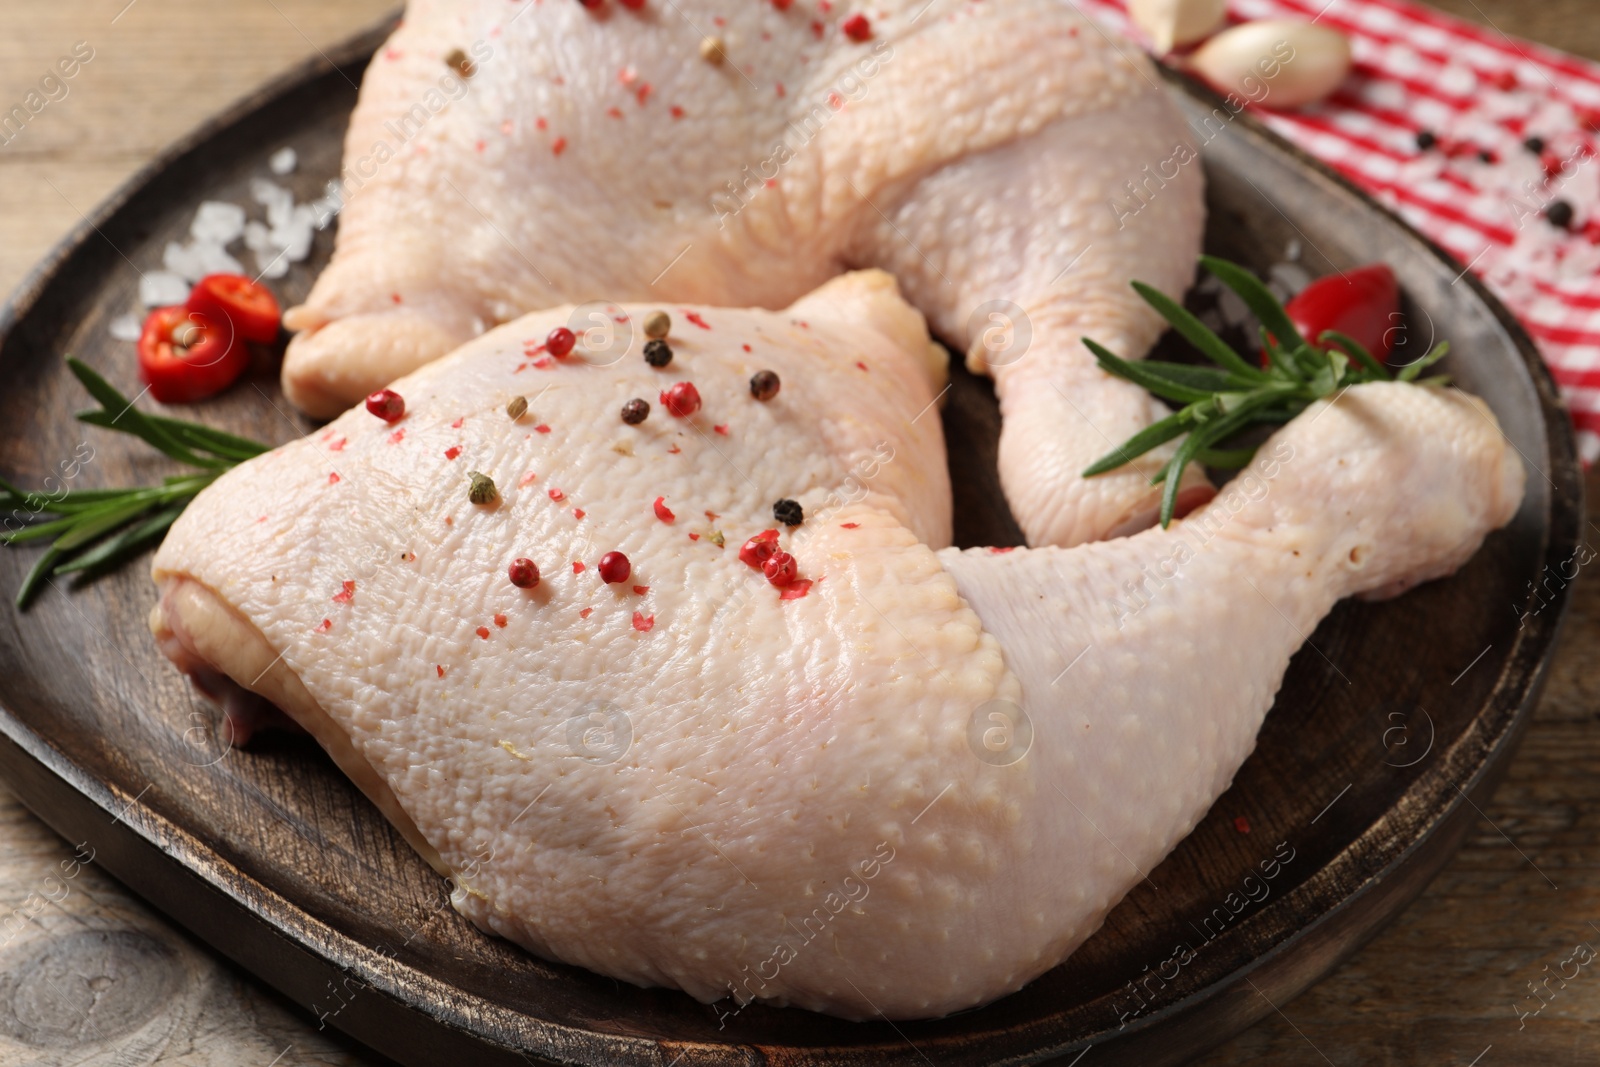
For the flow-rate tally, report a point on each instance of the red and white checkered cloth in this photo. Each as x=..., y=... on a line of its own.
x=1481, y=191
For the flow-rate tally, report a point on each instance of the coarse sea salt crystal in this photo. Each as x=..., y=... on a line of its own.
x=295, y=235
x=159, y=288
x=125, y=327
x=217, y=222
x=1235, y=312
x=282, y=161
x=1287, y=279
x=278, y=201
x=272, y=261
x=198, y=259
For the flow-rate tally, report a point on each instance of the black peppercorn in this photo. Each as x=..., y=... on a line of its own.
x=657, y=353
x=1560, y=214
x=1426, y=139
x=1534, y=145
x=764, y=385
x=788, y=512
x=635, y=411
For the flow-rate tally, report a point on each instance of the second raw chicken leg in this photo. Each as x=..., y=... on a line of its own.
x=694, y=775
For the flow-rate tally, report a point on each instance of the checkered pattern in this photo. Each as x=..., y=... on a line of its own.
x=1482, y=191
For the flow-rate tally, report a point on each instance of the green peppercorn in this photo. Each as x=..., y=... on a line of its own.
x=482, y=490
x=657, y=353
x=517, y=408
x=657, y=325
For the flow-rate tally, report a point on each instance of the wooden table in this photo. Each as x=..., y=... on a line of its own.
x=1444, y=985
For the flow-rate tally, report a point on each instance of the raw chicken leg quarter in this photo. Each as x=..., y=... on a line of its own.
x=695, y=778
x=1010, y=163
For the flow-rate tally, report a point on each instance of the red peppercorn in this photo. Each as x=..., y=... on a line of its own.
x=780, y=568
x=857, y=28
x=614, y=568
x=682, y=399
x=760, y=548
x=560, y=341
x=387, y=404
x=524, y=573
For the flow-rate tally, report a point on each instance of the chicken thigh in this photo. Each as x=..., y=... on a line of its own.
x=822, y=793
x=1012, y=164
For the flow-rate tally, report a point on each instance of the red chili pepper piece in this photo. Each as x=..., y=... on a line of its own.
x=186, y=356
x=857, y=28
x=1363, y=303
x=233, y=299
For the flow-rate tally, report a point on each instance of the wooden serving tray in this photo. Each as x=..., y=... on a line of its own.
x=1390, y=725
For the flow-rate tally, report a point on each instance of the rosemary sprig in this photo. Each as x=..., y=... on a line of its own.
x=95, y=530
x=1221, y=402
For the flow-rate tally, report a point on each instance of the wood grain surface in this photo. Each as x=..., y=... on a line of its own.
x=1443, y=985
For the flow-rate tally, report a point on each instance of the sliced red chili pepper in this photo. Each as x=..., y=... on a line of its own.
x=179, y=373
x=1363, y=303
x=249, y=305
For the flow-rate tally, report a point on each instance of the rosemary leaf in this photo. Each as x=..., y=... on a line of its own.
x=1227, y=458
x=1409, y=372
x=125, y=418
x=1138, y=375
x=1258, y=298
x=1207, y=379
x=1150, y=437
x=87, y=529
x=1357, y=350
x=96, y=529
x=1191, y=447
x=1197, y=333
x=113, y=550
x=189, y=434
x=36, y=576
x=1282, y=362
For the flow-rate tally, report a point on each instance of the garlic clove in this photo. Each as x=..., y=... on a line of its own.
x=1171, y=23
x=1275, y=63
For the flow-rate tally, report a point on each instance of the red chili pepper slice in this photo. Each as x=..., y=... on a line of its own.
x=178, y=373
x=1363, y=303
x=249, y=305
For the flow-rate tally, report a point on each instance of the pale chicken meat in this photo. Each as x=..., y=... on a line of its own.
x=1011, y=163
x=821, y=794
